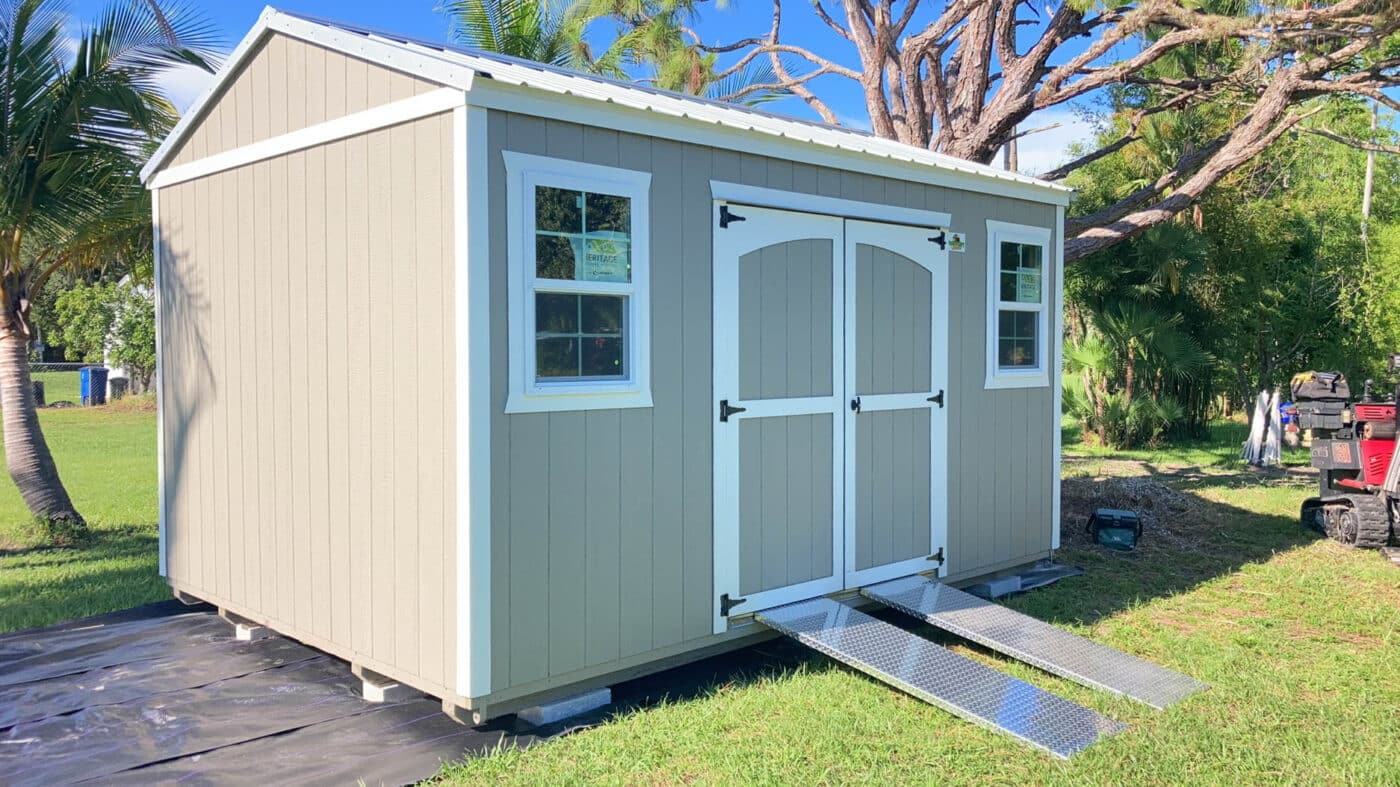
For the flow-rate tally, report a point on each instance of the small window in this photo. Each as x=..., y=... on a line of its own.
x=578, y=264
x=1018, y=308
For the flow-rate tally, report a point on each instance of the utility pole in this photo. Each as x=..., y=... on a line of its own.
x=1370, y=176
x=1008, y=152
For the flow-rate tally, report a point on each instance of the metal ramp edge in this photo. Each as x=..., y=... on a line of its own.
x=942, y=678
x=1034, y=641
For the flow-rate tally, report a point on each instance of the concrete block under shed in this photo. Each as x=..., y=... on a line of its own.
x=377, y=688
x=245, y=630
x=566, y=708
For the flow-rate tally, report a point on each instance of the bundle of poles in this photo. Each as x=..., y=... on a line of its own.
x=1264, y=446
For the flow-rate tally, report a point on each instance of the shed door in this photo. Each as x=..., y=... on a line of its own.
x=779, y=382
x=829, y=443
x=896, y=361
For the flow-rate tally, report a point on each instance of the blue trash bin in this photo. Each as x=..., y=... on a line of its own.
x=92, y=385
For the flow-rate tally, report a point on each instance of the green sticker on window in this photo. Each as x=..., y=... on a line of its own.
x=602, y=256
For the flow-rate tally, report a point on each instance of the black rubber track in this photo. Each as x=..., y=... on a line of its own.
x=1373, y=522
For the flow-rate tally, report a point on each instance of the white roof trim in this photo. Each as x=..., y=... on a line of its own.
x=456, y=68
x=388, y=54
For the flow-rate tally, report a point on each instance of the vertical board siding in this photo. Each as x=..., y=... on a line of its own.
x=308, y=332
x=286, y=85
x=639, y=568
x=785, y=519
x=892, y=486
x=785, y=305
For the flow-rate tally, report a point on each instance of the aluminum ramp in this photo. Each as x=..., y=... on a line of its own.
x=1035, y=642
x=941, y=677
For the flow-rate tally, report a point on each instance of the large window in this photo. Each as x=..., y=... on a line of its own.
x=1018, y=293
x=578, y=279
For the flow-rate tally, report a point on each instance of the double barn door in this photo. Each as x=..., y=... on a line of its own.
x=830, y=362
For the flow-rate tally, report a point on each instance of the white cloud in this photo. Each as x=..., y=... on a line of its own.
x=183, y=84
x=1045, y=150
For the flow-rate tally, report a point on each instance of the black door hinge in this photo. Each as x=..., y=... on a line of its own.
x=938, y=399
x=855, y=405
x=937, y=557
x=941, y=239
x=726, y=604
x=726, y=216
x=725, y=410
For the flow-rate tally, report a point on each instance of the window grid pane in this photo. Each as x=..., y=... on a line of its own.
x=1018, y=339
x=582, y=236
x=580, y=337
x=1020, y=273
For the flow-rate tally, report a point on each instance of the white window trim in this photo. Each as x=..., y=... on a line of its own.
x=1038, y=377
x=523, y=173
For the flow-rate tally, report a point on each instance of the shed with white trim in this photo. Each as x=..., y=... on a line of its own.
x=506, y=382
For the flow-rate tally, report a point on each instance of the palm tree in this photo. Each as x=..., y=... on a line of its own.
x=76, y=120
x=651, y=34
x=545, y=31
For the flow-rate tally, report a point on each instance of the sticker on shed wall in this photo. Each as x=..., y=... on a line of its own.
x=957, y=241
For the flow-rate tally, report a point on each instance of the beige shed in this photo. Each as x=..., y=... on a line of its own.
x=507, y=382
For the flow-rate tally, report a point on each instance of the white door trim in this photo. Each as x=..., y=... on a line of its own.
x=828, y=206
x=913, y=243
x=766, y=227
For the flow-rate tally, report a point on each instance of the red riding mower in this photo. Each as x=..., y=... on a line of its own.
x=1354, y=449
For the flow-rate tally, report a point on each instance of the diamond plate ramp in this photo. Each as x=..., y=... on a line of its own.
x=941, y=677
x=1034, y=641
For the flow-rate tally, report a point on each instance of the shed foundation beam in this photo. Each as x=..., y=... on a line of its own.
x=186, y=599
x=470, y=717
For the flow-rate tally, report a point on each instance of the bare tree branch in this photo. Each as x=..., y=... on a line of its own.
x=1359, y=144
x=965, y=81
x=1063, y=171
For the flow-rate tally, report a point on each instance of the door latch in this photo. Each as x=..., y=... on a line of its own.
x=938, y=398
x=855, y=405
x=725, y=410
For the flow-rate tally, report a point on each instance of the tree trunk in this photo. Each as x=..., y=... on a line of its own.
x=1129, y=377
x=26, y=452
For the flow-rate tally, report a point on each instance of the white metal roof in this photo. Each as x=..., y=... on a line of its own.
x=462, y=68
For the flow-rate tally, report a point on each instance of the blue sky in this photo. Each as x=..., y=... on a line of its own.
x=731, y=20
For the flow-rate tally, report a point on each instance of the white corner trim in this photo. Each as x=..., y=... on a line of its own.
x=160, y=386
x=759, y=196
x=1056, y=370
x=1039, y=377
x=403, y=111
x=472, y=317
x=389, y=55
x=525, y=394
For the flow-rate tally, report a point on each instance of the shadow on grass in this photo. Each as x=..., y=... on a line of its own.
x=115, y=570
x=1188, y=539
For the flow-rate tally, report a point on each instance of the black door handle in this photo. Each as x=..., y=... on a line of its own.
x=855, y=405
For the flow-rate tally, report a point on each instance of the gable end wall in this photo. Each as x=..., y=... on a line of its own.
x=288, y=84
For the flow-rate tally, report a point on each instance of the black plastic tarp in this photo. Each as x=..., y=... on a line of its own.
x=169, y=695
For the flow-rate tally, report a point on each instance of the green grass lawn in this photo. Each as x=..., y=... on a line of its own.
x=1297, y=638
x=1222, y=448
x=60, y=386
x=106, y=456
